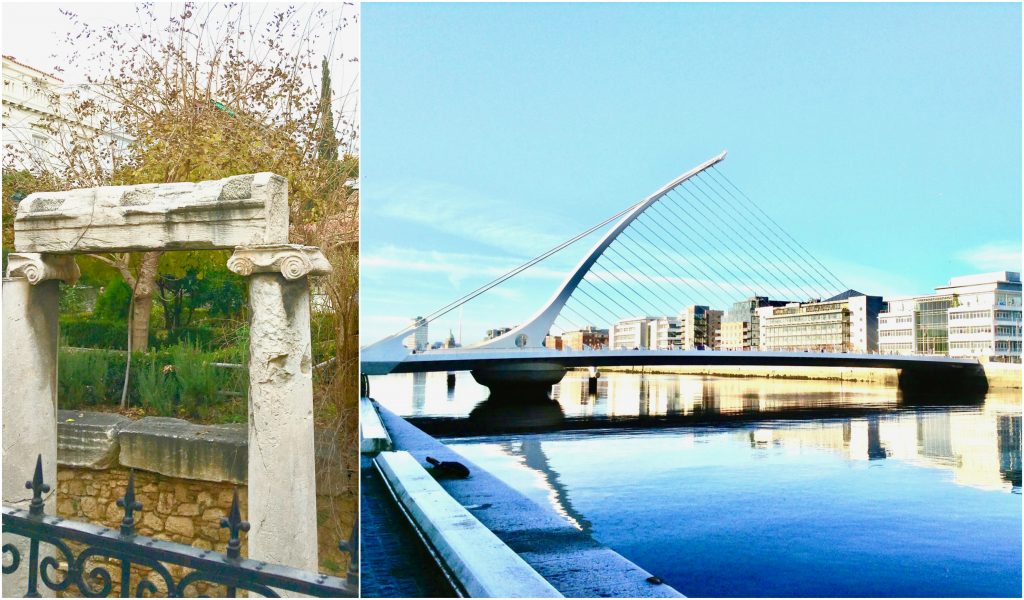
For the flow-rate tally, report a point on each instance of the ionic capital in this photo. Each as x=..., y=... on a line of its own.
x=290, y=260
x=37, y=267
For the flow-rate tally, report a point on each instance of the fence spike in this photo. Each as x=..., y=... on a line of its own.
x=130, y=505
x=235, y=523
x=36, y=507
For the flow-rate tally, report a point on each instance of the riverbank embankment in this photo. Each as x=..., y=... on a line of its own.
x=999, y=375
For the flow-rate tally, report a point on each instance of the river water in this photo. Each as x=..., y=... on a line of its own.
x=740, y=487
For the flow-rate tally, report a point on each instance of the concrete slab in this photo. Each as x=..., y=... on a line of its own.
x=88, y=439
x=181, y=449
x=573, y=562
x=483, y=565
x=373, y=438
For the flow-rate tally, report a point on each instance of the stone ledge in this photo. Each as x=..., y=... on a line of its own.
x=88, y=439
x=177, y=448
x=482, y=563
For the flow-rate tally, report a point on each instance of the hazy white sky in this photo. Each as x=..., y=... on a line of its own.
x=34, y=33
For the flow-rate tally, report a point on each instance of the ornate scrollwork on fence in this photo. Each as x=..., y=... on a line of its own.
x=61, y=567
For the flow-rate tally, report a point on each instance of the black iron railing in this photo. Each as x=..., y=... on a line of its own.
x=66, y=568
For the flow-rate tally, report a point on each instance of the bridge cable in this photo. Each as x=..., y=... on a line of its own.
x=686, y=292
x=667, y=206
x=646, y=288
x=795, y=262
x=599, y=303
x=788, y=263
x=502, y=278
x=641, y=308
x=587, y=320
x=697, y=266
x=728, y=246
x=762, y=260
x=702, y=279
x=779, y=227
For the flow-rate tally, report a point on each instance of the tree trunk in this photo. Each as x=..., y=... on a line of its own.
x=143, y=300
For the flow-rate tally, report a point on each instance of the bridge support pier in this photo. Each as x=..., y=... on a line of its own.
x=520, y=379
x=933, y=384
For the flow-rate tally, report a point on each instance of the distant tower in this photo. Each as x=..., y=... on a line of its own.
x=417, y=340
x=450, y=342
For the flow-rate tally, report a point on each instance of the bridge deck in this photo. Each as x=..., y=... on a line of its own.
x=468, y=359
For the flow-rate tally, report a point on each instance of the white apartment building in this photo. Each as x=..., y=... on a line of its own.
x=976, y=316
x=985, y=322
x=33, y=102
x=630, y=333
x=417, y=340
x=664, y=333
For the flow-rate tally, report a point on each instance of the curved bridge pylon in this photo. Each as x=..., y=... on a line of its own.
x=531, y=333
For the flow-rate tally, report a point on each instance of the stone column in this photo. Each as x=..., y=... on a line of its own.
x=30, y=293
x=282, y=484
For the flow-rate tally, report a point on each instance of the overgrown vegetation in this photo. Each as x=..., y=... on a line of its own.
x=180, y=381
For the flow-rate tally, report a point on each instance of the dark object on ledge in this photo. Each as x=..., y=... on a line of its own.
x=448, y=469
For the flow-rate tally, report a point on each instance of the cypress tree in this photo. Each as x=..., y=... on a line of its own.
x=327, y=148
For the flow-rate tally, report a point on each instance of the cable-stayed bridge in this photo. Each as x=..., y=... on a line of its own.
x=697, y=241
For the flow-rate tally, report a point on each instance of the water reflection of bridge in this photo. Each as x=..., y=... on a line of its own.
x=980, y=446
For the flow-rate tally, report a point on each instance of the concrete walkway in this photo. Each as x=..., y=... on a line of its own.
x=393, y=563
x=573, y=562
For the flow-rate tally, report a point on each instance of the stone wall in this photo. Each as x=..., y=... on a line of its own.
x=185, y=475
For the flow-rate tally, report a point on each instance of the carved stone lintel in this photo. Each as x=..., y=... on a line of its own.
x=42, y=267
x=291, y=260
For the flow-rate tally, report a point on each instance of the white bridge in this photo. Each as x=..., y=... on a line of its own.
x=717, y=267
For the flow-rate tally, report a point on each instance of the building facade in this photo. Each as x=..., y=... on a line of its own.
x=629, y=334
x=976, y=316
x=417, y=340
x=35, y=106
x=699, y=327
x=589, y=337
x=664, y=333
x=740, y=328
x=847, y=322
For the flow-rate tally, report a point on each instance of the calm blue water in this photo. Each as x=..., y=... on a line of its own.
x=891, y=501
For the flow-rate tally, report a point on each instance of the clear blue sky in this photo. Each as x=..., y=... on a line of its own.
x=886, y=138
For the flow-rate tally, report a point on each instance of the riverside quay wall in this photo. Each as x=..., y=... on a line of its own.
x=185, y=477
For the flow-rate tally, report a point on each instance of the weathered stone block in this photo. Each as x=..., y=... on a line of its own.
x=237, y=211
x=88, y=439
x=180, y=526
x=178, y=448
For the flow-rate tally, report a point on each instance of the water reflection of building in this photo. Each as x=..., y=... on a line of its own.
x=980, y=447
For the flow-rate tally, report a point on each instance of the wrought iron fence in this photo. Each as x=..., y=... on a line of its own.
x=65, y=568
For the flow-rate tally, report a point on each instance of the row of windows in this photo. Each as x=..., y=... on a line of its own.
x=970, y=330
x=1007, y=330
x=890, y=346
x=1002, y=346
x=975, y=345
x=1008, y=315
x=970, y=314
x=895, y=332
x=901, y=320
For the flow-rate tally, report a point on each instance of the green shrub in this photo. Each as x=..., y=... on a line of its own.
x=154, y=390
x=82, y=379
x=113, y=303
x=198, y=380
x=91, y=332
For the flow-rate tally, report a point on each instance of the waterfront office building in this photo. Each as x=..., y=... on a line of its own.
x=976, y=316
x=699, y=327
x=847, y=322
x=417, y=340
x=740, y=324
x=588, y=337
x=630, y=333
